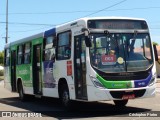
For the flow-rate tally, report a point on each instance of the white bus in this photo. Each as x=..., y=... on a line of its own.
x=90, y=59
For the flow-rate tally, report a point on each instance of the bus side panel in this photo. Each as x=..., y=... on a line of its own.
x=50, y=87
x=51, y=79
x=24, y=72
x=60, y=71
x=7, y=78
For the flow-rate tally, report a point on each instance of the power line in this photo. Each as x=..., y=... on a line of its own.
x=58, y=12
x=65, y=22
x=65, y=12
x=28, y=24
x=99, y=10
x=70, y=12
x=145, y=8
x=105, y=8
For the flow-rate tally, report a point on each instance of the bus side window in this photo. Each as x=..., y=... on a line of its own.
x=64, y=46
x=49, y=49
x=20, y=55
x=7, y=57
x=27, y=52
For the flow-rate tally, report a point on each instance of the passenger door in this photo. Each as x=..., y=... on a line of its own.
x=13, y=70
x=80, y=67
x=37, y=78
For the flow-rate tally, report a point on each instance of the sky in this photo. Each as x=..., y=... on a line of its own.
x=29, y=17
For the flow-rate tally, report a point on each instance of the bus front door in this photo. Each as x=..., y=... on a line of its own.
x=37, y=81
x=13, y=70
x=80, y=67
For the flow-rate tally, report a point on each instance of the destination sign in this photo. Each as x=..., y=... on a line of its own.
x=117, y=24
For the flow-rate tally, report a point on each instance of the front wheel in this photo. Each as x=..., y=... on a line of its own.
x=120, y=103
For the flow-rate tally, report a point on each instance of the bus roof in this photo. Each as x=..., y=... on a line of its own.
x=27, y=39
x=96, y=18
x=82, y=21
x=112, y=17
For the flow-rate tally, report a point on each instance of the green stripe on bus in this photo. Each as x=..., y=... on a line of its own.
x=37, y=41
x=14, y=47
x=114, y=84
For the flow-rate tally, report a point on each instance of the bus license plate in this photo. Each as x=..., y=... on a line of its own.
x=126, y=97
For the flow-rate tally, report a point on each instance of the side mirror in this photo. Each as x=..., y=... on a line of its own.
x=87, y=39
x=155, y=52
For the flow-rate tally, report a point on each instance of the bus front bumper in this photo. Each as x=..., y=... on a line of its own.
x=98, y=94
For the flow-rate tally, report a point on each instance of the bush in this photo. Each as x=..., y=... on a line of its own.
x=1, y=72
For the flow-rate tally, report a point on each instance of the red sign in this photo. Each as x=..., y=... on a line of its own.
x=126, y=97
x=69, y=68
x=108, y=59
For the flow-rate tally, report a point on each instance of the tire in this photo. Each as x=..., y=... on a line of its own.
x=22, y=96
x=120, y=103
x=64, y=96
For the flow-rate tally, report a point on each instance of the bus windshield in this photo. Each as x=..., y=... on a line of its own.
x=121, y=52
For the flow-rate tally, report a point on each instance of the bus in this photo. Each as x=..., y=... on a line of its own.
x=89, y=59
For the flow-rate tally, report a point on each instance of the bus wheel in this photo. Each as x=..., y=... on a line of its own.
x=22, y=96
x=120, y=103
x=65, y=99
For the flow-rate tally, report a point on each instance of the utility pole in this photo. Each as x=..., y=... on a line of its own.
x=7, y=22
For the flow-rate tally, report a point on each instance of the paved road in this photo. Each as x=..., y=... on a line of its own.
x=52, y=109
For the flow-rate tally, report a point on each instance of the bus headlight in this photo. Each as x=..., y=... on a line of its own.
x=152, y=81
x=96, y=82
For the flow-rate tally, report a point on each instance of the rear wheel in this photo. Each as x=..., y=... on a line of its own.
x=64, y=96
x=22, y=96
x=120, y=103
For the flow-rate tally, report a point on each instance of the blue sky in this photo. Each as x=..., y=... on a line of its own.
x=44, y=14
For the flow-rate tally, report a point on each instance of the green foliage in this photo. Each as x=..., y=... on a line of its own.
x=154, y=43
x=1, y=72
x=1, y=57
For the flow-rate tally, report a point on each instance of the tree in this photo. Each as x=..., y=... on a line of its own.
x=1, y=57
x=154, y=43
